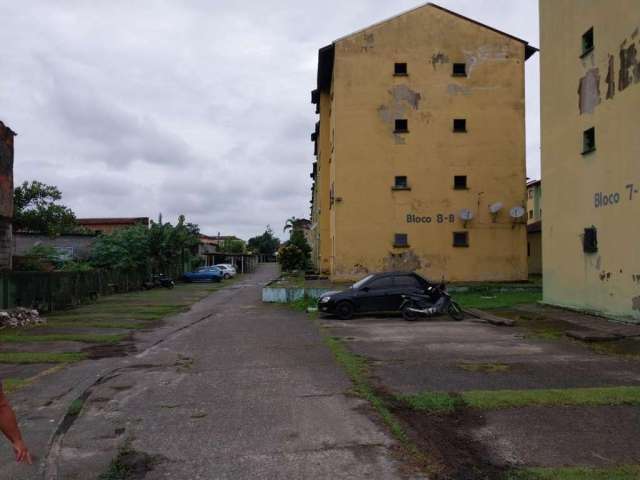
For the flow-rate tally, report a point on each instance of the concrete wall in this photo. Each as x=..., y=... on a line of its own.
x=79, y=246
x=367, y=154
x=601, y=188
x=6, y=196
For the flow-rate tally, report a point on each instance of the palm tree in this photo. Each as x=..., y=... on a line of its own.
x=290, y=224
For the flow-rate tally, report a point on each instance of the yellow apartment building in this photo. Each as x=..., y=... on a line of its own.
x=420, y=150
x=534, y=227
x=590, y=97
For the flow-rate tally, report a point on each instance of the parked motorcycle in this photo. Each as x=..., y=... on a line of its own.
x=435, y=301
x=162, y=280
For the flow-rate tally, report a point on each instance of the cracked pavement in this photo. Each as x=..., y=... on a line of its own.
x=231, y=389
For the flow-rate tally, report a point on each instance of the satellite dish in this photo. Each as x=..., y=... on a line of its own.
x=496, y=207
x=466, y=214
x=517, y=212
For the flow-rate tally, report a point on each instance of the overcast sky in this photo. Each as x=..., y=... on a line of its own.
x=199, y=107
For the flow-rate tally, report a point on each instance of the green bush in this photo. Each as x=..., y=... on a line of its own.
x=292, y=258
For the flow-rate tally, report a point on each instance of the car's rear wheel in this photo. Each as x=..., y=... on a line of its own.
x=227, y=276
x=344, y=310
x=455, y=311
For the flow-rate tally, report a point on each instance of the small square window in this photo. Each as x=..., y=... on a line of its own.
x=459, y=69
x=590, y=240
x=401, y=240
x=459, y=125
x=460, y=239
x=402, y=126
x=401, y=182
x=587, y=41
x=460, y=182
x=589, y=140
x=400, y=69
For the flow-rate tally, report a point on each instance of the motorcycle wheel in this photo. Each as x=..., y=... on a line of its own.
x=455, y=311
x=408, y=315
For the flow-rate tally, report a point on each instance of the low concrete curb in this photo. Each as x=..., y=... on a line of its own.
x=489, y=318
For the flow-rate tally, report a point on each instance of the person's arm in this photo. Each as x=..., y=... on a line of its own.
x=9, y=426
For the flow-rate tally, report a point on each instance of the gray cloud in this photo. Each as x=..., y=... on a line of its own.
x=194, y=107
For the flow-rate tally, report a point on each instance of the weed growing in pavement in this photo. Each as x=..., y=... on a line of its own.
x=631, y=472
x=500, y=399
x=75, y=408
x=41, y=357
x=130, y=465
x=357, y=369
x=304, y=303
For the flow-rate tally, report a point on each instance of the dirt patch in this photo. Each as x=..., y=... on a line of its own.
x=97, y=352
x=448, y=451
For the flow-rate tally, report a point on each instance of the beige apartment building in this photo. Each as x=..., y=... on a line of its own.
x=420, y=150
x=590, y=98
x=534, y=227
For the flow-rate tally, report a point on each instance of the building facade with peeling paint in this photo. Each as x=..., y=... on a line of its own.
x=590, y=114
x=421, y=131
x=534, y=227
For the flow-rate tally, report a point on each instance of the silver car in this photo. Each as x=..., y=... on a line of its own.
x=228, y=270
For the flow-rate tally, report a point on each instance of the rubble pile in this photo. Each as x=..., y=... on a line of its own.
x=20, y=317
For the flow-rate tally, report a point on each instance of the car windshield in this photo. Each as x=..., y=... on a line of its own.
x=360, y=283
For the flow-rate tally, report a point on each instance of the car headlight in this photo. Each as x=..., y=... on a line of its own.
x=325, y=299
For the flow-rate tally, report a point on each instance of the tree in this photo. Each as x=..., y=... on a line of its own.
x=265, y=244
x=145, y=249
x=290, y=224
x=233, y=245
x=127, y=249
x=36, y=209
x=296, y=254
x=298, y=239
x=291, y=258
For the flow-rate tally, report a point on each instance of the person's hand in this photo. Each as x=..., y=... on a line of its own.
x=22, y=453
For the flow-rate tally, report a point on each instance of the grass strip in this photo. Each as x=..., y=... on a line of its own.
x=500, y=399
x=630, y=472
x=358, y=371
x=496, y=299
x=12, y=384
x=122, y=325
x=64, y=337
x=41, y=357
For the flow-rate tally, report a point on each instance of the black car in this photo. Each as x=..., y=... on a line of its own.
x=380, y=292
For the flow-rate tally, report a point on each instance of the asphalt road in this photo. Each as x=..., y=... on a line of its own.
x=233, y=389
